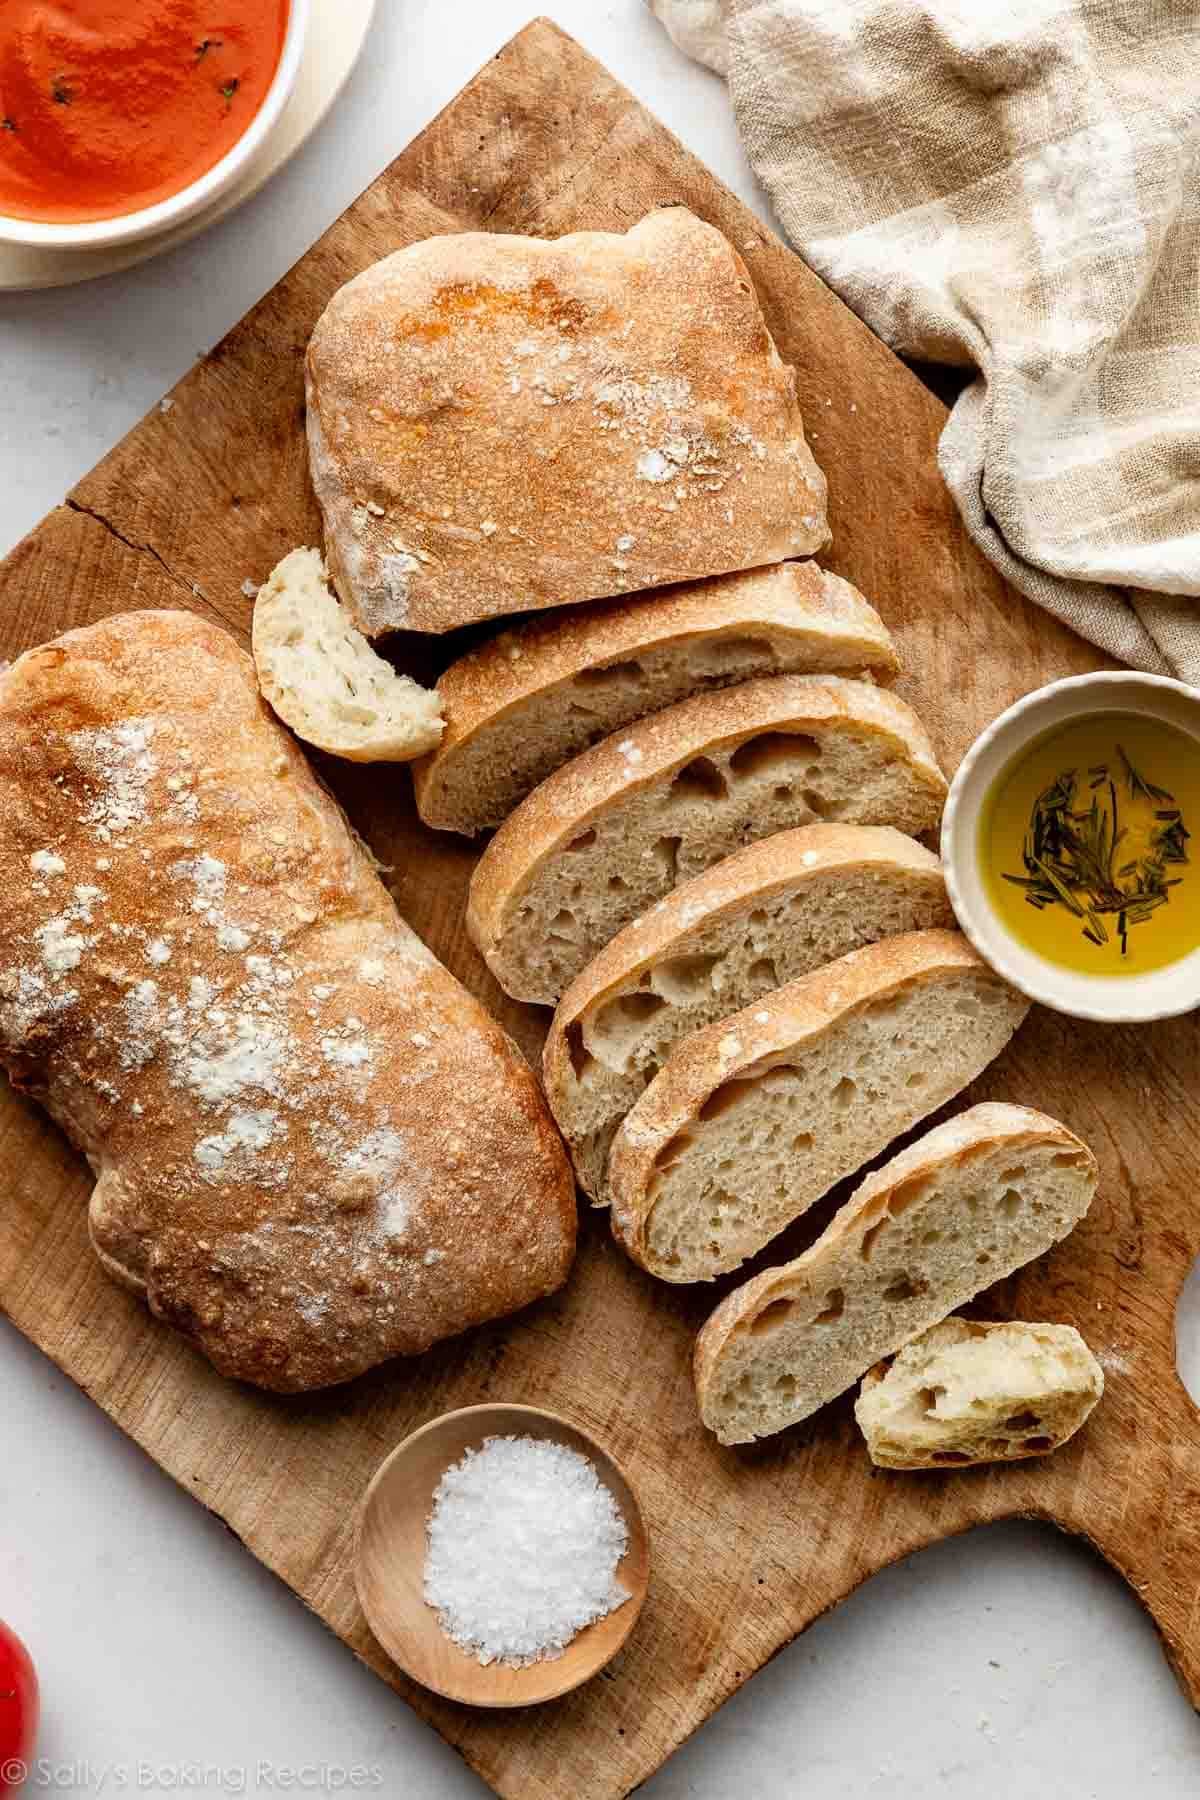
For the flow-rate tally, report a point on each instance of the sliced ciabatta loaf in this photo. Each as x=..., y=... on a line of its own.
x=619, y=826
x=323, y=678
x=752, y=1120
x=967, y=1204
x=520, y=705
x=764, y=916
x=965, y=1392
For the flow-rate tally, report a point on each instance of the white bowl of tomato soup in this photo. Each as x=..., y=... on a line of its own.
x=121, y=118
x=1071, y=844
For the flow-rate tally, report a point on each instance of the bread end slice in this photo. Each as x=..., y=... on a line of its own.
x=966, y=1392
x=322, y=677
x=966, y=1205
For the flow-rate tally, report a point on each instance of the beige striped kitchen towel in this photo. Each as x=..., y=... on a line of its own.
x=1013, y=186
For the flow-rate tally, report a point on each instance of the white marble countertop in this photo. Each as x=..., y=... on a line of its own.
x=1009, y=1664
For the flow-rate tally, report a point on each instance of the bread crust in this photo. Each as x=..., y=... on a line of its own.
x=956, y=1141
x=314, y=1149
x=753, y=876
x=826, y=624
x=499, y=424
x=749, y=1042
x=567, y=803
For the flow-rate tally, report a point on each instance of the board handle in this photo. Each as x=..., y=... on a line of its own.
x=1137, y=1502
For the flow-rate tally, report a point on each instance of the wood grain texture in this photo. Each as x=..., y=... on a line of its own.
x=749, y=1546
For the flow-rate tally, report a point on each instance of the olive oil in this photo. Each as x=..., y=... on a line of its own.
x=1085, y=841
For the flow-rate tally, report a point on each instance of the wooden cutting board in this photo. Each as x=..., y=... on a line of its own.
x=749, y=1546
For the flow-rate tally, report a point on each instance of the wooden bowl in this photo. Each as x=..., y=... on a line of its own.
x=390, y=1562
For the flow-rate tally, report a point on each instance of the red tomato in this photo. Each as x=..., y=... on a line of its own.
x=18, y=1711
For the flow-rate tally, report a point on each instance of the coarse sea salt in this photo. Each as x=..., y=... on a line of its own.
x=524, y=1545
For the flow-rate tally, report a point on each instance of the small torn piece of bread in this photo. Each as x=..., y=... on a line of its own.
x=974, y=1199
x=520, y=705
x=322, y=677
x=966, y=1392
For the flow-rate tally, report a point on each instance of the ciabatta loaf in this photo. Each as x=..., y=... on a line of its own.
x=614, y=830
x=498, y=424
x=519, y=706
x=752, y=1120
x=323, y=678
x=313, y=1149
x=964, y=1392
x=967, y=1204
x=764, y=916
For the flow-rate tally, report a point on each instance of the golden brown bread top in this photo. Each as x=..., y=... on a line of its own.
x=499, y=424
x=315, y=1150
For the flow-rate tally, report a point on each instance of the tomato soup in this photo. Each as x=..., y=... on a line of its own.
x=109, y=106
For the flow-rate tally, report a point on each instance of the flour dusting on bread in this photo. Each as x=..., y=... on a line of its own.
x=498, y=424
x=290, y=1104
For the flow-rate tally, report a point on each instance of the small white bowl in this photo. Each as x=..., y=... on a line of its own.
x=1117, y=999
x=98, y=234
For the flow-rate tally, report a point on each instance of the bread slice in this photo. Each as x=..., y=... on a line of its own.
x=323, y=678
x=969, y=1393
x=519, y=706
x=766, y=915
x=967, y=1204
x=753, y=1119
x=498, y=424
x=618, y=827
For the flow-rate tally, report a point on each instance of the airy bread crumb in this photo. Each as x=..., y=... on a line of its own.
x=608, y=835
x=966, y=1392
x=751, y=1121
x=974, y=1199
x=519, y=706
x=770, y=913
x=323, y=678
